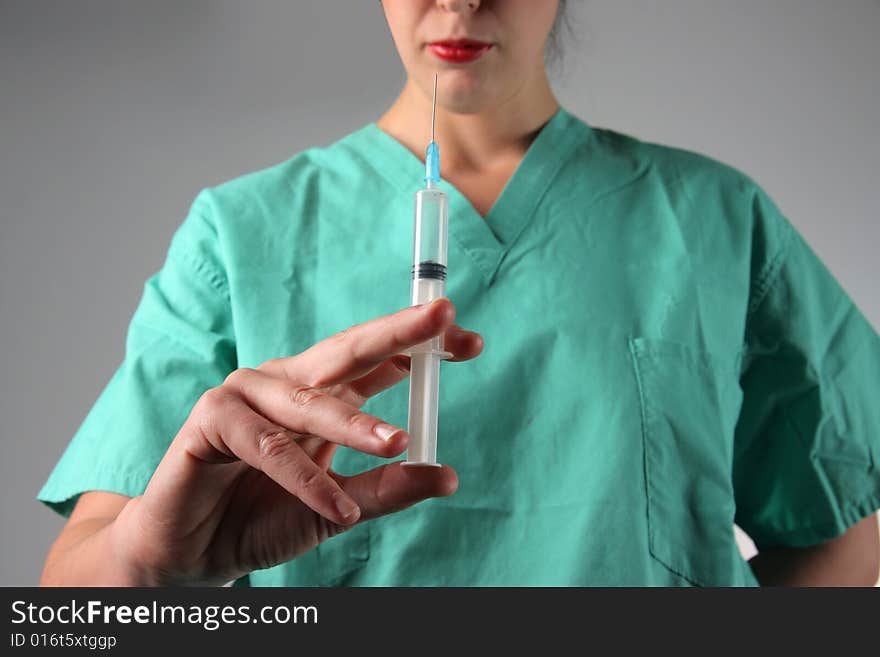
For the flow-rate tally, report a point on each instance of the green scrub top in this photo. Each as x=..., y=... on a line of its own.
x=664, y=356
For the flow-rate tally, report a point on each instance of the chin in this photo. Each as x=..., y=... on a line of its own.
x=462, y=92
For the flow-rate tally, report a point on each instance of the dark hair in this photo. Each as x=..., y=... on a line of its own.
x=553, y=47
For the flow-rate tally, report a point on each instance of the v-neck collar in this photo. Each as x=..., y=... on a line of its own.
x=485, y=240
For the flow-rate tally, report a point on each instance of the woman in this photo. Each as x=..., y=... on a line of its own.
x=663, y=356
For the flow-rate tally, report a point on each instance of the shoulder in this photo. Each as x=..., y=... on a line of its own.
x=260, y=199
x=278, y=182
x=689, y=179
x=698, y=181
x=707, y=196
x=697, y=172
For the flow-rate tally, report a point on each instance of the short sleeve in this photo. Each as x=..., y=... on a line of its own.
x=179, y=343
x=807, y=443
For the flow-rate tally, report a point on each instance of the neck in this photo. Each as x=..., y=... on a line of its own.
x=477, y=141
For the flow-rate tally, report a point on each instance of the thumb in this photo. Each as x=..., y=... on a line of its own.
x=394, y=487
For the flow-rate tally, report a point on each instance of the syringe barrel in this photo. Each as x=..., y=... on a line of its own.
x=428, y=283
x=430, y=239
x=431, y=227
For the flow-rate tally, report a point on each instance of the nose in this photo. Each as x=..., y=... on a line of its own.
x=459, y=6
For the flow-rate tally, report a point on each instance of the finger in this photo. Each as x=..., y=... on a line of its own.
x=394, y=487
x=463, y=344
x=273, y=449
x=307, y=410
x=356, y=351
x=223, y=425
x=324, y=454
x=284, y=461
x=319, y=450
x=387, y=375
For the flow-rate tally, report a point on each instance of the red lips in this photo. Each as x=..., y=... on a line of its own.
x=459, y=51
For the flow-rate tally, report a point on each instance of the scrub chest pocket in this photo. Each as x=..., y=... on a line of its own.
x=689, y=402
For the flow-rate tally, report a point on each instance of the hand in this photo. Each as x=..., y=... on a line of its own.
x=246, y=484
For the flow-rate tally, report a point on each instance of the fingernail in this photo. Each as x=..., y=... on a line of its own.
x=385, y=431
x=346, y=508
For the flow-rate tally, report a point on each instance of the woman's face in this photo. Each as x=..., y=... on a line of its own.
x=504, y=52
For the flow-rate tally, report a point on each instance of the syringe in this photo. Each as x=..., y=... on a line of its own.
x=428, y=283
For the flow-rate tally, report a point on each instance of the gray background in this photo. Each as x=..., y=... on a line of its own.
x=114, y=114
